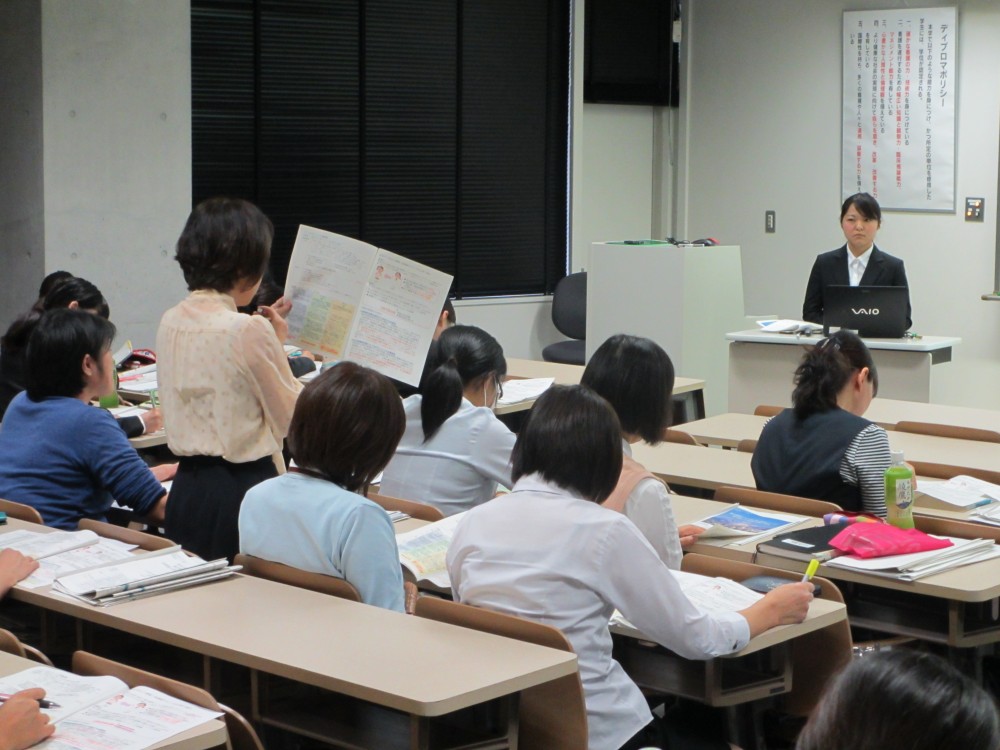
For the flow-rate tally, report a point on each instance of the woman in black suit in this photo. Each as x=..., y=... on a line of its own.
x=858, y=263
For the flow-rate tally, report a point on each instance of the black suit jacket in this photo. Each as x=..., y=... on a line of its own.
x=831, y=268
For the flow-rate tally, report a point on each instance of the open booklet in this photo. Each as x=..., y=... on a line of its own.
x=738, y=525
x=519, y=390
x=422, y=551
x=712, y=595
x=352, y=300
x=98, y=713
x=963, y=492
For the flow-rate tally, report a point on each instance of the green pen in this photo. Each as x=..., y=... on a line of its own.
x=152, y=398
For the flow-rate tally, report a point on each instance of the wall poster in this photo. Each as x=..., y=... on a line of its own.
x=900, y=83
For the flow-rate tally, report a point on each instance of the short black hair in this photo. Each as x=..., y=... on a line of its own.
x=635, y=375
x=825, y=370
x=346, y=425
x=902, y=698
x=461, y=355
x=56, y=348
x=225, y=240
x=449, y=308
x=572, y=438
x=74, y=289
x=865, y=204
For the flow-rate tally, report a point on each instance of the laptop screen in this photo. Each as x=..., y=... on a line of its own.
x=872, y=311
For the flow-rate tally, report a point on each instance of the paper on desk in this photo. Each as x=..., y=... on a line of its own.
x=915, y=565
x=72, y=692
x=711, y=595
x=39, y=545
x=422, y=551
x=788, y=326
x=105, y=551
x=961, y=491
x=526, y=389
x=151, y=567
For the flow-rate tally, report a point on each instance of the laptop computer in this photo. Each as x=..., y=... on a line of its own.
x=872, y=311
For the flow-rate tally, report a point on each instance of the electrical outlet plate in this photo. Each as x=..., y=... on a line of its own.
x=974, y=209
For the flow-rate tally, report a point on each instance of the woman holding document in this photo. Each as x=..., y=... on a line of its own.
x=226, y=389
x=549, y=552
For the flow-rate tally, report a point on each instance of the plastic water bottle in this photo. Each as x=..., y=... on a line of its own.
x=899, y=492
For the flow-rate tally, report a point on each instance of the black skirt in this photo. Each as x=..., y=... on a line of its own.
x=204, y=506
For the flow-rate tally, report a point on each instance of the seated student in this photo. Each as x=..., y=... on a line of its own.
x=63, y=290
x=549, y=552
x=636, y=377
x=225, y=385
x=346, y=425
x=454, y=450
x=62, y=456
x=823, y=448
x=902, y=699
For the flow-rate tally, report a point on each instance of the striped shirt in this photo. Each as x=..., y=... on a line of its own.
x=864, y=465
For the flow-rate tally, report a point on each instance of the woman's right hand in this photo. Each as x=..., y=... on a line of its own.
x=152, y=420
x=784, y=605
x=22, y=724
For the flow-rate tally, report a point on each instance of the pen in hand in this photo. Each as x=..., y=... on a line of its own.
x=42, y=702
x=810, y=570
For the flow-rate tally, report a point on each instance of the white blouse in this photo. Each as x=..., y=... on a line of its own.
x=544, y=554
x=459, y=467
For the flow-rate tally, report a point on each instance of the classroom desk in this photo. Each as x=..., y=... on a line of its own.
x=960, y=607
x=761, y=366
x=887, y=412
x=210, y=734
x=689, y=393
x=695, y=466
x=364, y=652
x=728, y=429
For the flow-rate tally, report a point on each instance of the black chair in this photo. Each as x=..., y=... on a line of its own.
x=569, y=315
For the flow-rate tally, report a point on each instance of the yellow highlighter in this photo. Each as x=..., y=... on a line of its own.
x=811, y=570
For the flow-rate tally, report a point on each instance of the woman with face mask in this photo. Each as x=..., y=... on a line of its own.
x=454, y=451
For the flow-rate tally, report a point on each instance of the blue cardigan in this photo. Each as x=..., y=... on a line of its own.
x=68, y=460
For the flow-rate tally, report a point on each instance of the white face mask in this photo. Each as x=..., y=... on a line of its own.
x=491, y=405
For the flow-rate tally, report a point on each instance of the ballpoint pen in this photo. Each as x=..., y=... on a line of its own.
x=42, y=703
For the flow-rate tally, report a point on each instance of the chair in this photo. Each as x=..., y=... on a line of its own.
x=947, y=471
x=948, y=431
x=275, y=571
x=553, y=716
x=803, y=506
x=679, y=436
x=569, y=315
x=765, y=410
x=21, y=512
x=141, y=539
x=11, y=644
x=746, y=445
x=817, y=656
x=242, y=735
x=421, y=511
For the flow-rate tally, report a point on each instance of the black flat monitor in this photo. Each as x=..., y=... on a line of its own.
x=873, y=311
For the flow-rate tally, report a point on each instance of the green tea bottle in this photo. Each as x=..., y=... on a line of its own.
x=899, y=492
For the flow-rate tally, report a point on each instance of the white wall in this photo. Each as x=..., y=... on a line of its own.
x=22, y=231
x=117, y=141
x=761, y=130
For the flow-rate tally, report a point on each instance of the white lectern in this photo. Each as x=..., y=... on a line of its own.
x=684, y=298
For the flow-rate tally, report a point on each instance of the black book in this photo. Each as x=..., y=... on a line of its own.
x=804, y=544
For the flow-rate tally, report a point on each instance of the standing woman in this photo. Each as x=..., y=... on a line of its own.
x=454, y=451
x=857, y=263
x=823, y=447
x=225, y=384
x=635, y=375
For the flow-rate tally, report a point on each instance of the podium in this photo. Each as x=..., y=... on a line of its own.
x=683, y=298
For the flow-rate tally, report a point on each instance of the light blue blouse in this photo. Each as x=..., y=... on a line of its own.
x=315, y=525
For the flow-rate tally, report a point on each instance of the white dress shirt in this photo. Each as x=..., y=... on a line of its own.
x=459, y=467
x=856, y=265
x=543, y=554
x=648, y=507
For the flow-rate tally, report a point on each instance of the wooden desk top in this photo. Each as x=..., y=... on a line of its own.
x=728, y=429
x=978, y=582
x=887, y=412
x=571, y=374
x=366, y=652
x=695, y=466
x=210, y=734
